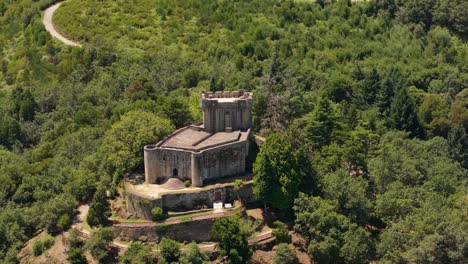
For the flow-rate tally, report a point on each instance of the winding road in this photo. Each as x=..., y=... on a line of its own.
x=49, y=26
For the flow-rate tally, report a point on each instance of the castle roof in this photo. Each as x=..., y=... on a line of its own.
x=194, y=138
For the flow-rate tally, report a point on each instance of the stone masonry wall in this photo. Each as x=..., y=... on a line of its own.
x=198, y=231
x=141, y=207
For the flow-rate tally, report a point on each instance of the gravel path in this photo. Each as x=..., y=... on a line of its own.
x=49, y=26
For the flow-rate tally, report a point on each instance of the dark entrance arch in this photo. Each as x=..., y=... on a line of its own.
x=175, y=173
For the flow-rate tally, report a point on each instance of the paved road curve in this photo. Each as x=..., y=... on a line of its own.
x=49, y=26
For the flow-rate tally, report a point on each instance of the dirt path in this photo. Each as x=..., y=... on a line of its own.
x=49, y=26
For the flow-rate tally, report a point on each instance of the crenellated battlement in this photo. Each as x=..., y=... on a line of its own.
x=225, y=111
x=221, y=96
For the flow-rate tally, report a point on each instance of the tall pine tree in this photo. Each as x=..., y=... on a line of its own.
x=458, y=145
x=367, y=90
x=276, y=180
x=321, y=123
x=99, y=210
x=404, y=115
x=390, y=85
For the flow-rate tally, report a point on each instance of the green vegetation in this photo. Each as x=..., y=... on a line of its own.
x=137, y=253
x=281, y=233
x=193, y=255
x=187, y=183
x=169, y=250
x=99, y=209
x=157, y=214
x=232, y=238
x=368, y=98
x=76, y=251
x=98, y=245
x=41, y=245
x=284, y=255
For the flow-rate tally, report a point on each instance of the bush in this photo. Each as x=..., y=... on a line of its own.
x=157, y=213
x=41, y=245
x=137, y=253
x=64, y=222
x=280, y=231
x=170, y=250
x=99, y=242
x=284, y=255
x=187, y=183
x=193, y=255
x=76, y=256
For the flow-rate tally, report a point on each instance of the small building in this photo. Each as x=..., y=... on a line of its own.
x=205, y=153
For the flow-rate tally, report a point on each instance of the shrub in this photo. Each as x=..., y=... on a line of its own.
x=64, y=222
x=187, y=183
x=76, y=256
x=42, y=245
x=170, y=250
x=37, y=248
x=137, y=253
x=157, y=213
x=284, y=255
x=280, y=231
x=99, y=242
x=193, y=255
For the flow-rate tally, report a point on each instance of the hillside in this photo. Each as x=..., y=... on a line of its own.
x=364, y=107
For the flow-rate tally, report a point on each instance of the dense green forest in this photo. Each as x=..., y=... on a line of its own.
x=364, y=107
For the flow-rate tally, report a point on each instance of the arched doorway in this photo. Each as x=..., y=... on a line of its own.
x=175, y=173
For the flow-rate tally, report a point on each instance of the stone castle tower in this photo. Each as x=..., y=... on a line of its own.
x=202, y=153
x=227, y=111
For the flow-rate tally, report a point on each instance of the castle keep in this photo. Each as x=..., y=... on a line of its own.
x=204, y=153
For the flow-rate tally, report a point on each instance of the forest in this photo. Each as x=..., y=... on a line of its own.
x=364, y=107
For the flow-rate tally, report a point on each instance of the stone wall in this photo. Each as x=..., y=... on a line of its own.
x=141, y=207
x=222, y=161
x=198, y=231
x=161, y=164
x=213, y=163
x=227, y=111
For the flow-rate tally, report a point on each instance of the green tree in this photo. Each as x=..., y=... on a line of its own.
x=348, y=194
x=99, y=209
x=452, y=14
x=24, y=104
x=458, y=145
x=332, y=237
x=433, y=113
x=284, y=255
x=367, y=90
x=392, y=82
x=306, y=172
x=177, y=110
x=98, y=245
x=64, y=222
x=193, y=255
x=232, y=242
x=403, y=114
x=76, y=256
x=418, y=12
x=169, y=250
x=123, y=143
x=321, y=123
x=10, y=132
x=275, y=173
x=137, y=253
x=281, y=232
